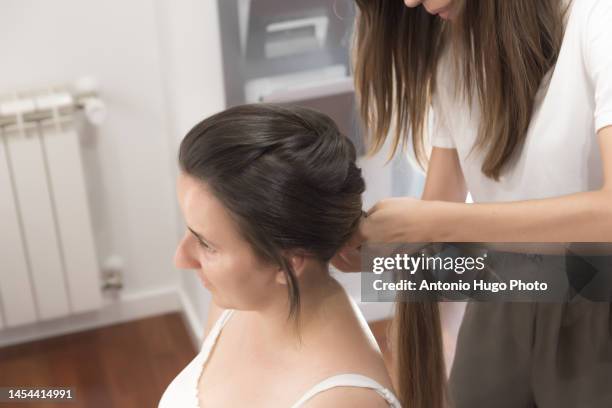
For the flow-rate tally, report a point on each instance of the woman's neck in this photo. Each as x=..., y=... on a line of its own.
x=270, y=324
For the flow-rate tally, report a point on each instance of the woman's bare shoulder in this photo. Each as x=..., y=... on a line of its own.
x=347, y=343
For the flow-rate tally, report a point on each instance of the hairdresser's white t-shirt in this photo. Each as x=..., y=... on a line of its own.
x=561, y=154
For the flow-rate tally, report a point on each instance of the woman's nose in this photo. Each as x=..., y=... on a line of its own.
x=412, y=3
x=183, y=258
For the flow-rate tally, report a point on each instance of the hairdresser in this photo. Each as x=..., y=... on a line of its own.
x=519, y=93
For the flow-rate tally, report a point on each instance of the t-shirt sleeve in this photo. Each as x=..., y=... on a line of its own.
x=440, y=134
x=598, y=59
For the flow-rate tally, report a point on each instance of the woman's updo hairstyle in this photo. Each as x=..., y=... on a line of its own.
x=285, y=174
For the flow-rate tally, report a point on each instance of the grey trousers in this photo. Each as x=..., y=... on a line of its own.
x=541, y=355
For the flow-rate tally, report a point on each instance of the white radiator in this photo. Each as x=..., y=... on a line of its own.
x=48, y=263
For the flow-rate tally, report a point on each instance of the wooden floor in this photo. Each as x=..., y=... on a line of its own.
x=125, y=365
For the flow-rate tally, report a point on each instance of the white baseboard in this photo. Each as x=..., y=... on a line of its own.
x=129, y=306
x=194, y=326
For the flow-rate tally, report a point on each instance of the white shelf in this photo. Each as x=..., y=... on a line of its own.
x=299, y=86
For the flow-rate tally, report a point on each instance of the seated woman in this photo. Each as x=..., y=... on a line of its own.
x=269, y=194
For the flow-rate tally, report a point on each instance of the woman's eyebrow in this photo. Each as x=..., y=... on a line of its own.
x=200, y=237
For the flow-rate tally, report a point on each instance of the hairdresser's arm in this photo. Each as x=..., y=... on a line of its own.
x=445, y=181
x=579, y=217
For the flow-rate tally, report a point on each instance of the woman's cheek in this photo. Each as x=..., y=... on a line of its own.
x=209, y=263
x=222, y=269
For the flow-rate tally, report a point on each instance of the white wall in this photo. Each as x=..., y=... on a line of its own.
x=192, y=66
x=128, y=160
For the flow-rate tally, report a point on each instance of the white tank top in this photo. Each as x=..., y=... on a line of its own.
x=183, y=390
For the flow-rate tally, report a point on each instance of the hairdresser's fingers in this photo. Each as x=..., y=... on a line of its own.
x=339, y=263
x=347, y=260
x=356, y=240
x=376, y=207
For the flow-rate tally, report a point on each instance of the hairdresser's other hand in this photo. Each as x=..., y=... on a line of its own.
x=348, y=259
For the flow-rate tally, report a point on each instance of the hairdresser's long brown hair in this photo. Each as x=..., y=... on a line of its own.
x=419, y=371
x=503, y=51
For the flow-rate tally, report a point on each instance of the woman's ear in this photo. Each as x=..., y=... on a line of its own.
x=297, y=261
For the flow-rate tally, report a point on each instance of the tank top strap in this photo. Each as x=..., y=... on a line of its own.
x=349, y=380
x=212, y=336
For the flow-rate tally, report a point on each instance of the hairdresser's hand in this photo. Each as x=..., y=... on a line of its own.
x=402, y=219
x=393, y=220
x=348, y=259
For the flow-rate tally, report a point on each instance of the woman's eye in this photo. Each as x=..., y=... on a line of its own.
x=204, y=245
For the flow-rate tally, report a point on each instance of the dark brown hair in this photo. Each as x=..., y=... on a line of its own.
x=287, y=176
